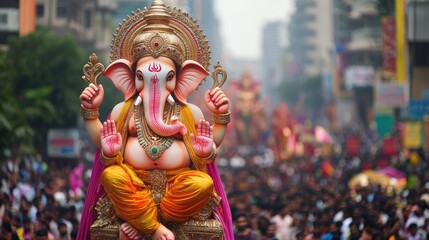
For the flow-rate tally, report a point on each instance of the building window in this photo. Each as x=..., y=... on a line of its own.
x=61, y=12
x=88, y=18
x=40, y=10
x=62, y=9
x=3, y=18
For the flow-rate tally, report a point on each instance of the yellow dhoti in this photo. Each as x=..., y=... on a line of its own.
x=187, y=193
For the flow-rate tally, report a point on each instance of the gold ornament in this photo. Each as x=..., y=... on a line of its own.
x=108, y=161
x=160, y=31
x=92, y=70
x=106, y=226
x=153, y=144
x=215, y=75
x=89, y=114
x=223, y=118
x=158, y=44
x=207, y=211
x=209, y=159
x=158, y=181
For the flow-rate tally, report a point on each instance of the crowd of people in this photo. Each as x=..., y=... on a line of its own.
x=285, y=200
x=294, y=200
x=40, y=199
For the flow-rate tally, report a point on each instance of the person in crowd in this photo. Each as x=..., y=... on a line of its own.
x=283, y=221
x=62, y=229
x=413, y=233
x=243, y=230
x=41, y=234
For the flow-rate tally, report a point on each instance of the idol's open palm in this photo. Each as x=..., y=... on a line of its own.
x=203, y=142
x=111, y=140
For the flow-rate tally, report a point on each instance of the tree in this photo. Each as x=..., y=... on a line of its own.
x=15, y=131
x=44, y=60
x=43, y=76
x=40, y=84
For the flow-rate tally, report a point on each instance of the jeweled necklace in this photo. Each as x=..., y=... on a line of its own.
x=153, y=144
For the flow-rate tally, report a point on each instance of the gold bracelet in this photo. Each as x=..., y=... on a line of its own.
x=210, y=158
x=223, y=118
x=89, y=114
x=109, y=161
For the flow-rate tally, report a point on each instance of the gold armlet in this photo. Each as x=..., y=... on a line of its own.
x=89, y=114
x=223, y=118
x=210, y=158
x=108, y=161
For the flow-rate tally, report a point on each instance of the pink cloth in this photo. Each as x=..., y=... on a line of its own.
x=94, y=192
x=75, y=178
x=225, y=216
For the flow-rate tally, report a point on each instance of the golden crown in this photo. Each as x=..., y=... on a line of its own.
x=157, y=44
x=160, y=31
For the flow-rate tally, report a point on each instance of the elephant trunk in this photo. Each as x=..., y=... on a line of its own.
x=154, y=111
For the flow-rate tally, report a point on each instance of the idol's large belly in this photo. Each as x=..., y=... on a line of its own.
x=176, y=156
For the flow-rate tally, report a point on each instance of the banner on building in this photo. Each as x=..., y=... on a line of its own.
x=390, y=146
x=63, y=143
x=359, y=76
x=426, y=134
x=391, y=94
x=400, y=41
x=418, y=108
x=353, y=146
x=412, y=134
x=389, y=47
x=384, y=121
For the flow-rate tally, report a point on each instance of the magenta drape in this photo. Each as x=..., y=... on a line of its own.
x=225, y=215
x=93, y=193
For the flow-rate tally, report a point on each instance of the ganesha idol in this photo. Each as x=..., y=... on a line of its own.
x=154, y=176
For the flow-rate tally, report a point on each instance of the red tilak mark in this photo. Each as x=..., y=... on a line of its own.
x=154, y=67
x=154, y=79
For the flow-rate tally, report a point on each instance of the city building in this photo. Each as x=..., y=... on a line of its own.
x=17, y=18
x=9, y=23
x=363, y=57
x=273, y=56
x=311, y=37
x=418, y=43
x=126, y=7
x=88, y=21
x=203, y=12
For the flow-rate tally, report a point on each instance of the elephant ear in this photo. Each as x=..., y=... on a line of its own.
x=190, y=77
x=121, y=75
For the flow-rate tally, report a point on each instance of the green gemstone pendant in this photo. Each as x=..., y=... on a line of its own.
x=154, y=150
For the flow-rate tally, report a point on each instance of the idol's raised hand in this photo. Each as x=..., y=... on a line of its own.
x=92, y=96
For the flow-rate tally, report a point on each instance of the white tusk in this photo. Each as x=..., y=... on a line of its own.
x=138, y=101
x=170, y=99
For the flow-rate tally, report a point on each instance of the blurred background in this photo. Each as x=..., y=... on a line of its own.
x=330, y=103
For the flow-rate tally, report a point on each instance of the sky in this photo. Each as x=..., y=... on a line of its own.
x=242, y=22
